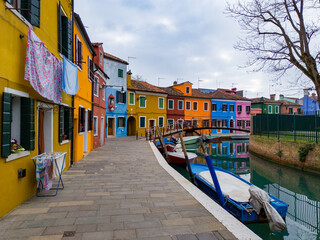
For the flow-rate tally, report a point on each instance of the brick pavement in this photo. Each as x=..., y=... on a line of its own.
x=118, y=191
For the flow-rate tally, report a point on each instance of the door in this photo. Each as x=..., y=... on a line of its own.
x=102, y=131
x=219, y=126
x=111, y=122
x=152, y=124
x=85, y=133
x=131, y=130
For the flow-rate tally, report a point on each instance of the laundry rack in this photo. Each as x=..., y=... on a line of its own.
x=47, y=164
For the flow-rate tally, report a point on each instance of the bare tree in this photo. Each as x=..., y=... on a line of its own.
x=139, y=77
x=280, y=35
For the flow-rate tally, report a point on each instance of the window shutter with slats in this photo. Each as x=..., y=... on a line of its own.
x=27, y=123
x=6, y=124
x=32, y=14
x=67, y=40
x=61, y=117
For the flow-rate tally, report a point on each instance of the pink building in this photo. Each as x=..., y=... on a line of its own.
x=243, y=109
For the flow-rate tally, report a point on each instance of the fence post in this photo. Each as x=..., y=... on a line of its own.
x=294, y=126
x=268, y=124
x=278, y=125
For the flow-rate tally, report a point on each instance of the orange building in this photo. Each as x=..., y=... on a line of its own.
x=83, y=57
x=197, y=105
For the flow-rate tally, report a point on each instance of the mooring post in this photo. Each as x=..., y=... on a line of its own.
x=163, y=144
x=186, y=157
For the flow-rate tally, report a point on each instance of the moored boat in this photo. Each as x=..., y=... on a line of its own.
x=235, y=192
x=190, y=140
x=212, y=139
x=179, y=158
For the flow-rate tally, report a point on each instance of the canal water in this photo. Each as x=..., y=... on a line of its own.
x=299, y=189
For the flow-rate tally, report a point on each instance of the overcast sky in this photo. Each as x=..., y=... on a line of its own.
x=183, y=40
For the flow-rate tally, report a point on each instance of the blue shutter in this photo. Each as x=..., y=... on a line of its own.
x=27, y=123
x=6, y=124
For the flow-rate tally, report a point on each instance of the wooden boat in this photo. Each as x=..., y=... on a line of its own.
x=190, y=140
x=235, y=192
x=178, y=157
x=212, y=139
x=170, y=145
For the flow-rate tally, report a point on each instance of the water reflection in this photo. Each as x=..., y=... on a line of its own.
x=301, y=190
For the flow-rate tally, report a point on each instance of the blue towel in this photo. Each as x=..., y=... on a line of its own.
x=69, y=77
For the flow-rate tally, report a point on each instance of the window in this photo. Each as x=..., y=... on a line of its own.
x=195, y=106
x=187, y=123
x=142, y=101
x=224, y=107
x=188, y=105
x=161, y=119
x=101, y=59
x=82, y=120
x=65, y=123
x=195, y=123
x=180, y=123
x=214, y=107
x=65, y=40
x=224, y=123
x=96, y=86
x=231, y=148
x=205, y=123
x=224, y=150
x=170, y=123
x=277, y=109
x=206, y=106
x=103, y=92
x=188, y=90
x=90, y=119
x=142, y=122
x=131, y=98
x=213, y=122
x=15, y=108
x=95, y=125
x=120, y=73
x=121, y=122
x=31, y=10
x=238, y=123
x=78, y=52
x=231, y=108
x=248, y=109
x=180, y=105
x=270, y=109
x=170, y=104
x=248, y=123
x=121, y=97
x=214, y=150
x=161, y=103
x=299, y=111
x=90, y=69
x=290, y=111
x=239, y=108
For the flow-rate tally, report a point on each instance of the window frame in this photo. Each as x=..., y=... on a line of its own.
x=269, y=108
x=224, y=107
x=145, y=120
x=188, y=109
x=213, y=109
x=277, y=108
x=179, y=101
x=95, y=124
x=231, y=106
x=145, y=101
x=204, y=106
x=120, y=73
x=195, y=108
x=161, y=117
x=187, y=90
x=248, y=107
x=239, y=108
x=134, y=100
x=171, y=125
x=172, y=101
x=159, y=100
x=123, y=121
x=96, y=86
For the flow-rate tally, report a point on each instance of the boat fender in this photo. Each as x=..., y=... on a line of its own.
x=260, y=200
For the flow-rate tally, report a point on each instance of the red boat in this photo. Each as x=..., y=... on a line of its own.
x=178, y=157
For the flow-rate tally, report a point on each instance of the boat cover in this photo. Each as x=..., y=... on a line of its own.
x=236, y=189
x=260, y=199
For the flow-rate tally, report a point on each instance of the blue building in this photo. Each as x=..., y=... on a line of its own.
x=310, y=104
x=116, y=92
x=223, y=111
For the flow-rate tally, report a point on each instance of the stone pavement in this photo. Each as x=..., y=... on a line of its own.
x=118, y=191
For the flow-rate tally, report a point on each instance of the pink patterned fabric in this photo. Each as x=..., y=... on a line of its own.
x=43, y=69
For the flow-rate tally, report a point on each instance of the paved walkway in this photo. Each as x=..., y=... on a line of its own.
x=118, y=191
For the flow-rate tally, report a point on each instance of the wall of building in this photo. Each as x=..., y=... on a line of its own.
x=221, y=115
x=175, y=113
x=111, y=69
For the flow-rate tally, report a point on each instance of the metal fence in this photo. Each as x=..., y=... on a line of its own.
x=289, y=127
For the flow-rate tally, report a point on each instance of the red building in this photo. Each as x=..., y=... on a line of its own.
x=99, y=97
x=175, y=107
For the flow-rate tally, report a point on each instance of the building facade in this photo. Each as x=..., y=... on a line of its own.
x=116, y=96
x=290, y=108
x=265, y=105
x=99, y=97
x=83, y=115
x=42, y=129
x=310, y=103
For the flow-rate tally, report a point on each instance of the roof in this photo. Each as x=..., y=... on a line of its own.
x=224, y=95
x=99, y=69
x=288, y=103
x=172, y=92
x=144, y=86
x=97, y=44
x=178, y=84
x=198, y=94
x=84, y=32
x=114, y=58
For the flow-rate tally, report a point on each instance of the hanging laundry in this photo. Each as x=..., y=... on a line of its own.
x=48, y=172
x=69, y=77
x=43, y=69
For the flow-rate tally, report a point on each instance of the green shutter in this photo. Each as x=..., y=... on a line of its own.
x=67, y=40
x=61, y=127
x=6, y=124
x=142, y=102
x=131, y=98
x=70, y=130
x=59, y=28
x=32, y=14
x=27, y=123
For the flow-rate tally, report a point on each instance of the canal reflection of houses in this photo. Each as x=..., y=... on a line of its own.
x=296, y=188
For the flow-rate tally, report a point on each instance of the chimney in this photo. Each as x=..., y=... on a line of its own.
x=234, y=90
x=272, y=97
x=175, y=83
x=281, y=96
x=313, y=95
x=129, y=73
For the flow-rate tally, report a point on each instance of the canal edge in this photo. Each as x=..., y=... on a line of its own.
x=238, y=229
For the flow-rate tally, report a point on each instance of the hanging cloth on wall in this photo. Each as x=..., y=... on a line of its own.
x=69, y=77
x=43, y=69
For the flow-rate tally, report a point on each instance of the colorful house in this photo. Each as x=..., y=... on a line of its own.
x=32, y=116
x=83, y=58
x=175, y=107
x=310, y=103
x=197, y=105
x=265, y=105
x=116, y=92
x=99, y=97
x=290, y=108
x=147, y=106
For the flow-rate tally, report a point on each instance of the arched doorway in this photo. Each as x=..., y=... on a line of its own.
x=131, y=126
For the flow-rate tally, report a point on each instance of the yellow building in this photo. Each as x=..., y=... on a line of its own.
x=32, y=120
x=84, y=53
x=146, y=106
